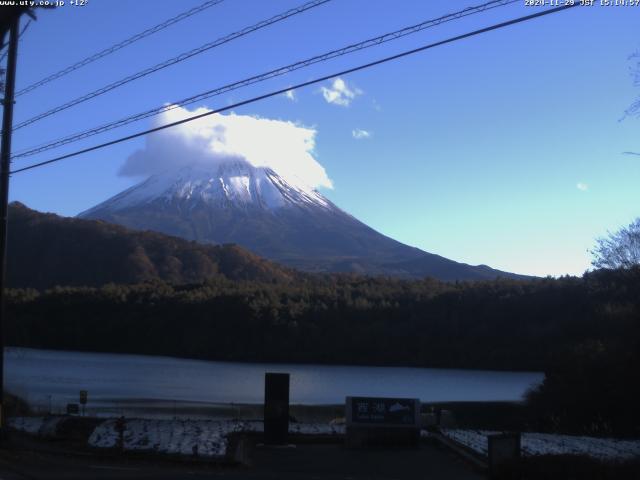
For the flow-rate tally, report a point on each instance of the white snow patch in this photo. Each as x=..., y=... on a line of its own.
x=181, y=436
x=26, y=424
x=43, y=426
x=552, y=444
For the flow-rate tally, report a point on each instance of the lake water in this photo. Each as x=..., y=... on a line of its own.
x=46, y=377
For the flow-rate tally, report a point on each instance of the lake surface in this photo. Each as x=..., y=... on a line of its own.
x=46, y=377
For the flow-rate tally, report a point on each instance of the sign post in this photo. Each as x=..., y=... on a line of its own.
x=276, y=408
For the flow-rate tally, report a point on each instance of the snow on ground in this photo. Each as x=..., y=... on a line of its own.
x=181, y=436
x=211, y=437
x=170, y=436
x=43, y=426
x=552, y=444
x=26, y=424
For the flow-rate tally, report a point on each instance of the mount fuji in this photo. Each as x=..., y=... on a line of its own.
x=254, y=207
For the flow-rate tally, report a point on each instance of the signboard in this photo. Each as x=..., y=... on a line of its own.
x=384, y=412
x=83, y=397
x=73, y=409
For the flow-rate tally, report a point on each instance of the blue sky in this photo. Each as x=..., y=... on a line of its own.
x=504, y=149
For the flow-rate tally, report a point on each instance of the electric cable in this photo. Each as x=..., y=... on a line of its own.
x=301, y=85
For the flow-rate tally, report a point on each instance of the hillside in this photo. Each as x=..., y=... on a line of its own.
x=45, y=250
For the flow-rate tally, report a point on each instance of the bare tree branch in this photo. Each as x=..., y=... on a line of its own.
x=634, y=108
x=620, y=249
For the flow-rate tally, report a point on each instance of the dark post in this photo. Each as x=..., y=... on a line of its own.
x=121, y=426
x=83, y=401
x=276, y=408
x=5, y=165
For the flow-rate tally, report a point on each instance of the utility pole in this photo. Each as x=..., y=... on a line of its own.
x=5, y=165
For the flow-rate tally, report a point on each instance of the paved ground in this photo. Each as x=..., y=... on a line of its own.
x=337, y=462
x=305, y=462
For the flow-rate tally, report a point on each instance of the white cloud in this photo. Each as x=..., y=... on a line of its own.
x=291, y=95
x=582, y=186
x=340, y=93
x=360, y=134
x=286, y=147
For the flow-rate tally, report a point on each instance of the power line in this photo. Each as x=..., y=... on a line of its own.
x=120, y=45
x=266, y=76
x=172, y=61
x=301, y=85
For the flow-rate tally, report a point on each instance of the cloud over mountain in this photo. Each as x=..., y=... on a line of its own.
x=284, y=146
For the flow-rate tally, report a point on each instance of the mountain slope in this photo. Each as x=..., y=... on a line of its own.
x=47, y=250
x=235, y=202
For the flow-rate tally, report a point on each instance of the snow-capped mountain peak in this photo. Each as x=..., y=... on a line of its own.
x=273, y=216
x=233, y=183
